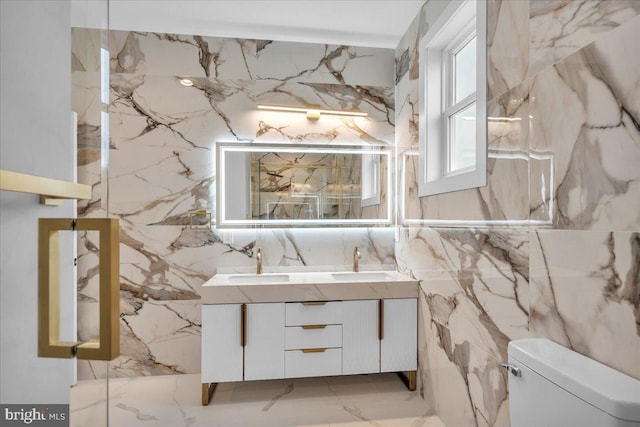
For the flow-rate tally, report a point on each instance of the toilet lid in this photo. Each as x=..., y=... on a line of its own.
x=603, y=387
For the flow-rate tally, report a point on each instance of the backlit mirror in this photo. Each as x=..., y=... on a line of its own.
x=262, y=185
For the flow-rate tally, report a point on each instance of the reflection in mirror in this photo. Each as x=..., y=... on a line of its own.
x=302, y=185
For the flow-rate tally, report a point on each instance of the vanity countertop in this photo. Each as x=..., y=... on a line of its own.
x=304, y=286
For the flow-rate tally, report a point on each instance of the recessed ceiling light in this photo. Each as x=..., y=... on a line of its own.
x=186, y=82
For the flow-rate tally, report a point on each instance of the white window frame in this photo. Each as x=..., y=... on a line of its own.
x=450, y=31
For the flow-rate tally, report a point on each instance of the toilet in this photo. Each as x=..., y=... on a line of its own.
x=552, y=386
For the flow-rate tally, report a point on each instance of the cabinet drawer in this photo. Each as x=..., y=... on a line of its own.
x=300, y=364
x=321, y=336
x=314, y=313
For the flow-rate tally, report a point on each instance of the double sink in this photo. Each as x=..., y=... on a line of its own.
x=307, y=286
x=283, y=278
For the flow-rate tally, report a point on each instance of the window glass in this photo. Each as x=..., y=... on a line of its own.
x=465, y=71
x=462, y=127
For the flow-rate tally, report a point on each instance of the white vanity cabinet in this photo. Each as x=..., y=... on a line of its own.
x=380, y=336
x=398, y=343
x=264, y=342
x=313, y=339
x=256, y=341
x=360, y=337
x=242, y=342
x=222, y=349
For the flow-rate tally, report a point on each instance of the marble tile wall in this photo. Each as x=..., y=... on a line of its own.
x=550, y=247
x=161, y=166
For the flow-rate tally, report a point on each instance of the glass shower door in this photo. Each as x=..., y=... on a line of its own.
x=90, y=103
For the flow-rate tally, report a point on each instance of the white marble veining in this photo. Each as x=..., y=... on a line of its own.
x=585, y=114
x=318, y=63
x=462, y=382
x=560, y=28
x=584, y=288
x=504, y=201
x=507, y=45
x=379, y=400
x=156, y=338
x=406, y=55
x=376, y=101
x=163, y=269
x=475, y=282
x=563, y=133
x=309, y=286
x=182, y=55
x=563, y=153
x=161, y=166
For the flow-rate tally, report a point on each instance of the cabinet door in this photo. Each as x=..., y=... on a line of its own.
x=360, y=341
x=264, y=349
x=221, y=343
x=399, y=346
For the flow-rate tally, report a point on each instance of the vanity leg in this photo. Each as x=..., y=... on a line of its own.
x=409, y=380
x=207, y=391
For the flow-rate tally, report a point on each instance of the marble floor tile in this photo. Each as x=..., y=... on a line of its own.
x=362, y=400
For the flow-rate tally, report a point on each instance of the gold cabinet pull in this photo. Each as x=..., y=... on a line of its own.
x=381, y=319
x=314, y=350
x=243, y=325
x=49, y=344
x=314, y=303
x=313, y=326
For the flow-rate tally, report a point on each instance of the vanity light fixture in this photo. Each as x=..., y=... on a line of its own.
x=504, y=119
x=186, y=82
x=202, y=213
x=313, y=112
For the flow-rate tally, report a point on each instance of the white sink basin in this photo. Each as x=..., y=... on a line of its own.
x=361, y=276
x=258, y=278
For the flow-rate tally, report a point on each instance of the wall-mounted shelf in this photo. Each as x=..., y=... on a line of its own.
x=52, y=191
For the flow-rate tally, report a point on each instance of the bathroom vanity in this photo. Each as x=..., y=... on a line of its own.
x=292, y=325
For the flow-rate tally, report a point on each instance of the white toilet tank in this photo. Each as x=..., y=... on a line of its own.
x=557, y=387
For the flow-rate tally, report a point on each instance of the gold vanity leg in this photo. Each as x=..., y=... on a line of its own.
x=412, y=380
x=409, y=380
x=207, y=392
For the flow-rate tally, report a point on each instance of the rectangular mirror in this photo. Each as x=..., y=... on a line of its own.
x=287, y=185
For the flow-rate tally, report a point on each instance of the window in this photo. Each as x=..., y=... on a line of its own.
x=370, y=179
x=453, y=100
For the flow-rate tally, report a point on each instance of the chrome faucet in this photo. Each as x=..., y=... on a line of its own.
x=356, y=257
x=259, y=261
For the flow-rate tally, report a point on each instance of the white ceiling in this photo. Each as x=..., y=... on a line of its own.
x=374, y=23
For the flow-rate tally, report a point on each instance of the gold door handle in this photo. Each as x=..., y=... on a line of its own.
x=313, y=326
x=49, y=344
x=314, y=303
x=314, y=350
x=381, y=319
